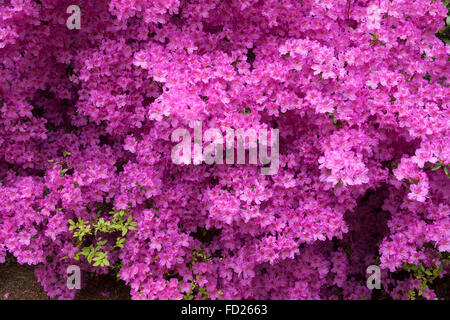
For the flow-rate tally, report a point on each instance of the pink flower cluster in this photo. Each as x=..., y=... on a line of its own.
x=357, y=88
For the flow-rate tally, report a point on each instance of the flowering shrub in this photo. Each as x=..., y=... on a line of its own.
x=358, y=91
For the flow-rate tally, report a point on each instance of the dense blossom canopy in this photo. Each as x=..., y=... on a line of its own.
x=357, y=88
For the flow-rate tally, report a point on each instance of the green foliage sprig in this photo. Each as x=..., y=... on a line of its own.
x=195, y=290
x=444, y=32
x=427, y=275
x=97, y=253
x=442, y=165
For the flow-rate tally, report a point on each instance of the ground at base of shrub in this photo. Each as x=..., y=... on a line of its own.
x=18, y=282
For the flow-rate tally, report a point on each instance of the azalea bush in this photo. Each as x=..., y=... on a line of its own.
x=358, y=90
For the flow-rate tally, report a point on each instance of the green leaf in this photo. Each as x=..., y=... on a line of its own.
x=102, y=243
x=423, y=285
x=62, y=172
x=415, y=181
